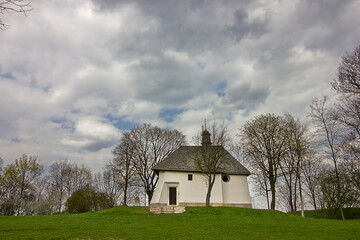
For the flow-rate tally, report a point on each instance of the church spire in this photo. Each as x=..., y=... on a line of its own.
x=205, y=137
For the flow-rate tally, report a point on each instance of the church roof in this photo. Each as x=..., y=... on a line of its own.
x=181, y=160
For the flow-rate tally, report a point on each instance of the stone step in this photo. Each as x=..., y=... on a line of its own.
x=167, y=209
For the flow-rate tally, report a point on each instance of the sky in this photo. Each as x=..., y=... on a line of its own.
x=74, y=75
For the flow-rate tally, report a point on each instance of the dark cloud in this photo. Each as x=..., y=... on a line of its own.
x=170, y=80
x=245, y=97
x=242, y=26
x=325, y=25
x=69, y=81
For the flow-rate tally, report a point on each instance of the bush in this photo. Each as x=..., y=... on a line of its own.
x=87, y=200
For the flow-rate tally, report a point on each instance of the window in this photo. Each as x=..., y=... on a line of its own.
x=225, y=178
x=190, y=177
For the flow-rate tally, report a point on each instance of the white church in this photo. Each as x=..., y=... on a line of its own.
x=182, y=184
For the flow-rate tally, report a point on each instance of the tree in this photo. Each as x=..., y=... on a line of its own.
x=65, y=179
x=332, y=132
x=108, y=184
x=263, y=140
x=18, y=182
x=298, y=146
x=151, y=145
x=59, y=174
x=209, y=158
x=18, y=6
x=311, y=168
x=123, y=162
x=261, y=184
x=86, y=200
x=81, y=201
x=77, y=178
x=348, y=80
x=330, y=195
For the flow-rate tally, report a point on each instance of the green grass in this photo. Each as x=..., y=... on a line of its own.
x=350, y=213
x=196, y=223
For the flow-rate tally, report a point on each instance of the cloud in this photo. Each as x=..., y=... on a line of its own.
x=92, y=134
x=74, y=75
x=243, y=27
x=244, y=97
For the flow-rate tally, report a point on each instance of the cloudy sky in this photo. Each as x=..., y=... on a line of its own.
x=75, y=74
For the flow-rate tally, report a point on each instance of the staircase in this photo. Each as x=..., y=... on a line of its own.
x=167, y=209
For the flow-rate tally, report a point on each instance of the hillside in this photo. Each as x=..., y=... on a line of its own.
x=196, y=223
x=350, y=213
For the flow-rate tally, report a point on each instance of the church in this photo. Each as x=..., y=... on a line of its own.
x=181, y=183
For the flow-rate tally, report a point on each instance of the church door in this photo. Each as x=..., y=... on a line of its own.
x=172, y=196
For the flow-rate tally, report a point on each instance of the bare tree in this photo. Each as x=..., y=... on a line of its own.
x=9, y=6
x=263, y=140
x=348, y=80
x=329, y=127
x=60, y=173
x=123, y=162
x=210, y=156
x=80, y=178
x=298, y=146
x=108, y=183
x=311, y=168
x=65, y=179
x=152, y=144
x=261, y=183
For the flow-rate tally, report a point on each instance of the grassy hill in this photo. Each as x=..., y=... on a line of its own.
x=350, y=213
x=196, y=223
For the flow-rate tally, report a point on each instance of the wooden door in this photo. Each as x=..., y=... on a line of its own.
x=172, y=196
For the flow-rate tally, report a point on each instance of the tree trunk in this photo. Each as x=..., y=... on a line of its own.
x=314, y=199
x=60, y=202
x=149, y=194
x=211, y=180
x=125, y=192
x=267, y=197
x=273, y=191
x=301, y=199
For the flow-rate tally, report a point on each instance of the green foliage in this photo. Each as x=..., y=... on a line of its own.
x=350, y=213
x=87, y=200
x=195, y=223
x=17, y=184
x=348, y=192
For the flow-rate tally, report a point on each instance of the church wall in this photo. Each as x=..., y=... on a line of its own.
x=193, y=193
x=236, y=191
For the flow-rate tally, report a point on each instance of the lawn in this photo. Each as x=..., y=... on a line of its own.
x=196, y=223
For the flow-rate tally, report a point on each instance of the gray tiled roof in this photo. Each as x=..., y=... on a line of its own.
x=181, y=160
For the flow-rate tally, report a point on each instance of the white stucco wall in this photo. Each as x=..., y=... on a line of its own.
x=236, y=191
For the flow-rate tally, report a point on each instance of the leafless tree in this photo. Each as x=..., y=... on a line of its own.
x=17, y=6
x=59, y=175
x=348, y=80
x=80, y=178
x=330, y=129
x=123, y=162
x=311, y=168
x=210, y=156
x=263, y=140
x=108, y=183
x=261, y=183
x=65, y=179
x=298, y=146
x=151, y=145
x=347, y=107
